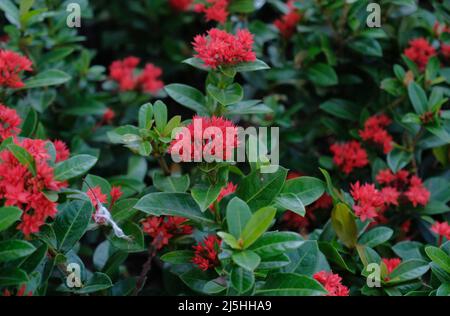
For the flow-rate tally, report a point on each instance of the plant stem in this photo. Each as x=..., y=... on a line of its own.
x=146, y=267
x=163, y=165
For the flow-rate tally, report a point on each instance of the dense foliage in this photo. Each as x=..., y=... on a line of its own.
x=94, y=202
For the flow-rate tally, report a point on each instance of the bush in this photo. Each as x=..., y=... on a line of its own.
x=116, y=175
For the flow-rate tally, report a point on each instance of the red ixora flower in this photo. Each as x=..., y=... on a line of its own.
x=442, y=229
x=62, y=151
x=214, y=10
x=96, y=196
x=288, y=22
x=124, y=72
x=9, y=122
x=213, y=137
x=368, y=200
x=108, y=116
x=348, y=156
x=21, y=187
x=391, y=264
x=219, y=48
x=180, y=5
x=420, y=51
x=206, y=253
x=163, y=228
x=375, y=131
x=332, y=283
x=11, y=66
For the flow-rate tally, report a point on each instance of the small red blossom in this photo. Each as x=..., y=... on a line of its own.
x=124, y=72
x=219, y=48
x=420, y=51
x=230, y=188
x=440, y=28
x=20, y=292
x=149, y=79
x=375, y=131
x=163, y=229
x=293, y=175
x=206, y=253
x=442, y=229
x=116, y=193
x=21, y=187
x=417, y=193
x=391, y=264
x=9, y=122
x=214, y=10
x=214, y=137
x=368, y=200
x=12, y=65
x=62, y=151
x=332, y=283
x=96, y=196
x=293, y=221
x=180, y=5
x=348, y=156
x=390, y=195
x=288, y=22
x=108, y=116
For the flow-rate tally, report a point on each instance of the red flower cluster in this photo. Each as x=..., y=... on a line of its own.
x=214, y=10
x=391, y=264
x=62, y=151
x=9, y=122
x=11, y=66
x=332, y=283
x=219, y=48
x=375, y=131
x=403, y=184
x=20, y=187
x=163, y=228
x=124, y=73
x=180, y=5
x=288, y=22
x=420, y=51
x=349, y=155
x=201, y=138
x=368, y=200
x=206, y=253
x=442, y=229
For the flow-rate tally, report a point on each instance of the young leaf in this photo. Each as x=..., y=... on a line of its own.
x=257, y=225
x=238, y=214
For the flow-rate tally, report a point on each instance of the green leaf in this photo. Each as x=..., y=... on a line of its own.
x=99, y=281
x=275, y=243
x=397, y=159
x=408, y=270
x=308, y=189
x=251, y=66
x=230, y=95
x=439, y=257
x=188, y=96
x=74, y=167
x=241, y=6
x=292, y=202
x=196, y=63
x=242, y=280
x=246, y=259
x=178, y=256
x=342, y=109
x=260, y=189
x=257, y=225
x=160, y=113
x=291, y=284
x=35, y=259
x=12, y=276
x=205, y=195
x=174, y=204
x=47, y=78
x=367, y=47
x=11, y=12
x=15, y=249
x=417, y=97
x=171, y=183
x=248, y=107
x=322, y=75
x=237, y=214
x=8, y=216
x=305, y=259
x=344, y=224
x=145, y=116
x=230, y=240
x=376, y=236
x=23, y=156
x=71, y=223
x=135, y=243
